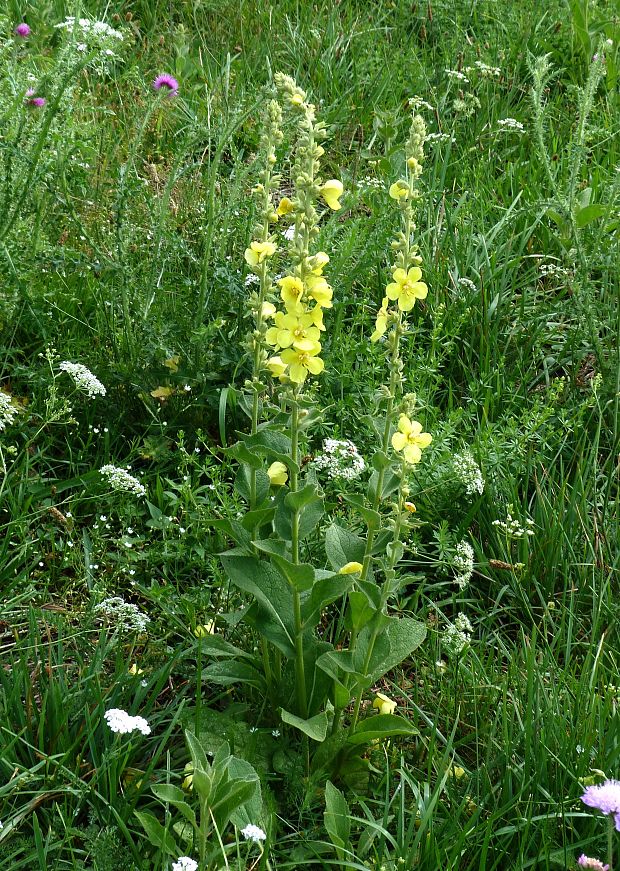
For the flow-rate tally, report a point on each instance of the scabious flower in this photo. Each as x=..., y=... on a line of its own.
x=586, y=862
x=184, y=863
x=22, y=30
x=410, y=439
x=253, y=833
x=606, y=798
x=407, y=287
x=168, y=83
x=119, y=479
x=84, y=378
x=384, y=704
x=123, y=723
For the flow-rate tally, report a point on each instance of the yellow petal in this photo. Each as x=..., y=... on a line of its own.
x=278, y=474
x=399, y=440
x=352, y=568
x=414, y=274
x=285, y=206
x=404, y=424
x=412, y=453
x=315, y=365
x=162, y=393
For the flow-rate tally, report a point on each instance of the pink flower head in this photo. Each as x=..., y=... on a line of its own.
x=22, y=30
x=166, y=81
x=31, y=100
x=605, y=797
x=596, y=864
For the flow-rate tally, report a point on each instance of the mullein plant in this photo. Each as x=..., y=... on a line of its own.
x=307, y=679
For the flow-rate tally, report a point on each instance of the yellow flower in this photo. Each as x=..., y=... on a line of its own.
x=351, y=569
x=206, y=629
x=410, y=439
x=268, y=310
x=302, y=362
x=257, y=252
x=318, y=262
x=331, y=191
x=290, y=329
x=278, y=474
x=413, y=163
x=410, y=507
x=384, y=703
x=276, y=366
x=135, y=670
x=297, y=99
x=291, y=291
x=457, y=771
x=400, y=190
x=317, y=317
x=407, y=287
x=188, y=782
x=381, y=322
x=319, y=290
x=285, y=206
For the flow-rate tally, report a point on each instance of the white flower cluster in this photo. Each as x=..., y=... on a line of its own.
x=84, y=378
x=418, y=103
x=370, y=182
x=340, y=459
x=123, y=723
x=512, y=527
x=7, y=410
x=184, y=863
x=457, y=75
x=468, y=473
x=440, y=137
x=510, y=124
x=94, y=30
x=253, y=833
x=458, y=635
x=554, y=269
x=468, y=283
x=463, y=564
x=127, y=615
x=119, y=479
x=251, y=278
x=484, y=70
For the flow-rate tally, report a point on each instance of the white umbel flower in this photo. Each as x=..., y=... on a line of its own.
x=253, y=833
x=184, y=863
x=84, y=378
x=7, y=410
x=119, y=479
x=123, y=723
x=463, y=564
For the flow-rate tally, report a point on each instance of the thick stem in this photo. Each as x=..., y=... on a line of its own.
x=300, y=671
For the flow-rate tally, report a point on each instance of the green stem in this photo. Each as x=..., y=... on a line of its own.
x=610, y=841
x=300, y=671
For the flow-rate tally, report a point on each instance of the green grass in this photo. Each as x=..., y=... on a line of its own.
x=124, y=223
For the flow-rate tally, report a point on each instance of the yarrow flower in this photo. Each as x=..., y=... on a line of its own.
x=84, y=378
x=511, y=124
x=457, y=636
x=468, y=473
x=22, y=30
x=167, y=82
x=586, y=862
x=123, y=723
x=7, y=410
x=124, y=614
x=121, y=480
x=253, y=833
x=606, y=798
x=340, y=459
x=184, y=863
x=463, y=563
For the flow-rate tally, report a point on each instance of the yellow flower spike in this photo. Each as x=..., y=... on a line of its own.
x=302, y=362
x=384, y=703
x=351, y=569
x=135, y=670
x=290, y=329
x=285, y=207
x=258, y=251
x=413, y=163
x=410, y=507
x=407, y=287
x=278, y=474
x=381, y=321
x=319, y=290
x=318, y=262
x=331, y=191
x=207, y=628
x=291, y=291
x=400, y=190
x=410, y=439
x=276, y=366
x=268, y=310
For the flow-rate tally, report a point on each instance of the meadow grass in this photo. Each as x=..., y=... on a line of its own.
x=125, y=217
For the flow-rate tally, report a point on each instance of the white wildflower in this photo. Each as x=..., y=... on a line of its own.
x=7, y=410
x=418, y=103
x=251, y=279
x=119, y=479
x=289, y=233
x=511, y=124
x=125, y=615
x=184, y=863
x=457, y=75
x=468, y=473
x=123, y=723
x=468, y=283
x=253, y=833
x=458, y=635
x=440, y=137
x=340, y=459
x=512, y=527
x=463, y=564
x=84, y=378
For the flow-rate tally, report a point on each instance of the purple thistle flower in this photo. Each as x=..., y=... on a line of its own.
x=605, y=797
x=595, y=864
x=31, y=100
x=22, y=30
x=166, y=81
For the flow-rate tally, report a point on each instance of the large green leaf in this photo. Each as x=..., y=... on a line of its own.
x=326, y=589
x=173, y=795
x=343, y=546
x=299, y=575
x=399, y=637
x=156, y=834
x=380, y=727
x=232, y=672
x=315, y=727
x=337, y=818
x=230, y=796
